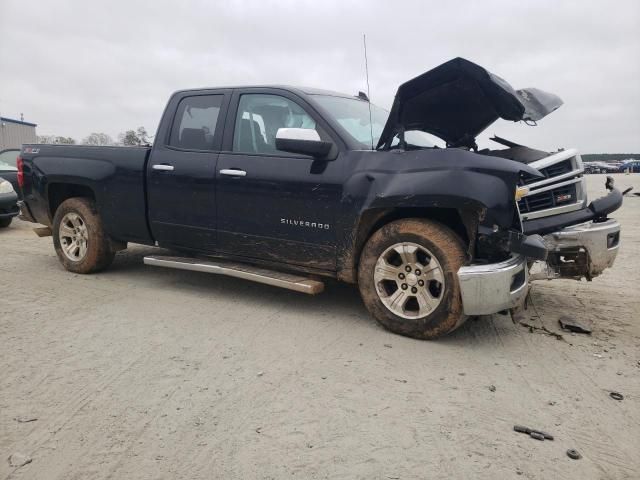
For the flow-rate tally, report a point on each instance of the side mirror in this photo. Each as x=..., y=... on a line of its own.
x=302, y=140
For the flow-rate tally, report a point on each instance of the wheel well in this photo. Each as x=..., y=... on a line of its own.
x=374, y=219
x=59, y=192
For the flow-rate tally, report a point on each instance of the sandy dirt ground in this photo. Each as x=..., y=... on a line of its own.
x=142, y=372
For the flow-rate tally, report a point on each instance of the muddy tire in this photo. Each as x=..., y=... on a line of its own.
x=5, y=222
x=408, y=278
x=79, y=238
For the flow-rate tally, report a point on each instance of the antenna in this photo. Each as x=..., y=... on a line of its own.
x=366, y=69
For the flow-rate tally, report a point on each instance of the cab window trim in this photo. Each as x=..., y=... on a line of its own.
x=309, y=109
x=218, y=135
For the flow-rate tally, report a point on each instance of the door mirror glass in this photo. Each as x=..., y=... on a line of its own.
x=304, y=141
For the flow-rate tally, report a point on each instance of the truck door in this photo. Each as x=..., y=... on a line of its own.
x=181, y=190
x=273, y=205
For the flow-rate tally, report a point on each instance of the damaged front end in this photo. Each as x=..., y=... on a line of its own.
x=498, y=277
x=581, y=243
x=553, y=228
x=579, y=251
x=580, y=238
x=521, y=207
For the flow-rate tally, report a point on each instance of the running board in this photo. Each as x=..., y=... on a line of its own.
x=239, y=270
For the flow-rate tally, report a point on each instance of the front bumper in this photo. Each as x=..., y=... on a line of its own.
x=580, y=244
x=597, y=211
x=584, y=250
x=494, y=287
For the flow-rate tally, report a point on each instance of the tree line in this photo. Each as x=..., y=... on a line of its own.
x=138, y=137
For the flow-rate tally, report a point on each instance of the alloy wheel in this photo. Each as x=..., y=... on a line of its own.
x=409, y=280
x=74, y=237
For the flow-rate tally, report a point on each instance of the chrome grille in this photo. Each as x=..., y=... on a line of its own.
x=548, y=172
x=560, y=190
x=551, y=198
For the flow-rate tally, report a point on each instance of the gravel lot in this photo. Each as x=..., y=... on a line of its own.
x=142, y=372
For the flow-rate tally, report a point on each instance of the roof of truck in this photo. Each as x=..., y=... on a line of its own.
x=294, y=88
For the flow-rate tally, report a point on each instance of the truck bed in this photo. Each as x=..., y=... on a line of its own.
x=115, y=175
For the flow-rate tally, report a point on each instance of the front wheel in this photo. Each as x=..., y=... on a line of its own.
x=79, y=238
x=5, y=222
x=408, y=278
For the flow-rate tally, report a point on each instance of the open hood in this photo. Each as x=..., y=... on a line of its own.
x=457, y=100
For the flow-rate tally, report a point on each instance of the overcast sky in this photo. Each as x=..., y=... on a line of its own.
x=86, y=66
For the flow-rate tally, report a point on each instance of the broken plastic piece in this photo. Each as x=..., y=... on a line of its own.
x=570, y=324
x=616, y=396
x=609, y=183
x=574, y=454
x=530, y=431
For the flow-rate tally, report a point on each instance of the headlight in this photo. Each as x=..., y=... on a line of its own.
x=5, y=187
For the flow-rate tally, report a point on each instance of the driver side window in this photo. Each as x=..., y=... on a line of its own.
x=260, y=116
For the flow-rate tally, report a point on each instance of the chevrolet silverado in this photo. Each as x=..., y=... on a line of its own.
x=285, y=186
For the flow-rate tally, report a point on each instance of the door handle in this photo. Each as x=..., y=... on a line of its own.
x=163, y=167
x=233, y=172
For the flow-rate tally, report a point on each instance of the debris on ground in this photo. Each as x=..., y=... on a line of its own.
x=616, y=396
x=574, y=454
x=19, y=460
x=533, y=328
x=572, y=325
x=627, y=190
x=25, y=419
x=260, y=374
x=492, y=388
x=543, y=329
x=537, y=434
x=388, y=345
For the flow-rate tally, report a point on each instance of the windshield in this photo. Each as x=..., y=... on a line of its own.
x=8, y=160
x=353, y=115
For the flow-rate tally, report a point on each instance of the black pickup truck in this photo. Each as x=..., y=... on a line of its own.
x=286, y=185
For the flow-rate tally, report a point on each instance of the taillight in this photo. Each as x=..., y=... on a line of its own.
x=20, y=165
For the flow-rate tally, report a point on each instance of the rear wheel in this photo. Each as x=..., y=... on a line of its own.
x=408, y=278
x=79, y=238
x=5, y=222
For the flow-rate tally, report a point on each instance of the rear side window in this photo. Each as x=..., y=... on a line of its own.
x=195, y=122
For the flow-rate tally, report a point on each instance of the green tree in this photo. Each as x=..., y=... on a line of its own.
x=98, y=138
x=135, y=137
x=129, y=138
x=143, y=136
x=56, y=140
